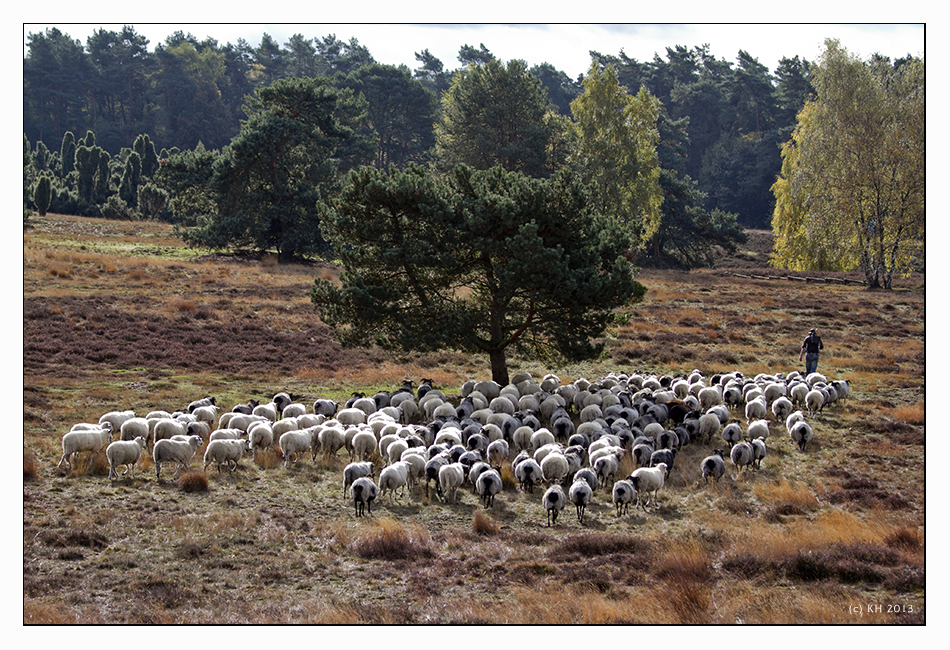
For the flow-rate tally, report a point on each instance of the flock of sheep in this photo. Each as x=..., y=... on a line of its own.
x=570, y=437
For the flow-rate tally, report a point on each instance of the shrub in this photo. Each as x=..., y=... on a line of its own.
x=116, y=208
x=29, y=466
x=193, y=482
x=482, y=524
x=390, y=540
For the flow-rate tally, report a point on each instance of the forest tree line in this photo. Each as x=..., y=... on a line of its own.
x=713, y=132
x=730, y=118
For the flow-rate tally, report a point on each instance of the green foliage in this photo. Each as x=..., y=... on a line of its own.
x=145, y=149
x=267, y=185
x=187, y=177
x=103, y=178
x=67, y=153
x=400, y=113
x=479, y=261
x=615, y=138
x=494, y=114
x=851, y=192
x=689, y=233
x=151, y=201
x=42, y=195
x=117, y=209
x=129, y=187
x=87, y=166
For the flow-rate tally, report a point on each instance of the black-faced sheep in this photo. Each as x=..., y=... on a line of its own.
x=713, y=466
x=801, y=434
x=554, y=501
x=354, y=471
x=580, y=495
x=488, y=485
x=623, y=495
x=742, y=455
x=363, y=492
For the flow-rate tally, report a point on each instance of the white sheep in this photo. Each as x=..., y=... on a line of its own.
x=133, y=428
x=261, y=436
x=330, y=440
x=293, y=410
x=417, y=464
x=540, y=438
x=91, y=440
x=554, y=501
x=488, y=484
x=709, y=426
x=395, y=449
x=648, y=479
x=294, y=443
x=392, y=477
x=205, y=401
x=166, y=428
x=206, y=414
x=116, y=418
x=790, y=421
x=124, y=452
x=226, y=434
x=521, y=438
x=713, y=465
x=363, y=492
x=606, y=467
x=268, y=411
x=554, y=467
x=814, y=401
x=225, y=451
x=580, y=495
x=801, y=434
x=351, y=416
x=364, y=444
x=497, y=452
x=368, y=406
x=758, y=429
x=451, y=477
x=709, y=397
x=623, y=494
x=175, y=451
x=756, y=409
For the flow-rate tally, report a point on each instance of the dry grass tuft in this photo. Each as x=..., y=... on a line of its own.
x=482, y=524
x=29, y=466
x=905, y=538
x=912, y=413
x=786, y=498
x=391, y=540
x=195, y=481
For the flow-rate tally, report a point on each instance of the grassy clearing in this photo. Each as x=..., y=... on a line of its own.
x=120, y=316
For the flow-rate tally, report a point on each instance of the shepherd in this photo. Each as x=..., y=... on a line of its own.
x=810, y=348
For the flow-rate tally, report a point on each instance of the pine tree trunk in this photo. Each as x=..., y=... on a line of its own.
x=499, y=366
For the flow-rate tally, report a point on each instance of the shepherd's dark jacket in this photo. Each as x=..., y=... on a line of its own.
x=812, y=344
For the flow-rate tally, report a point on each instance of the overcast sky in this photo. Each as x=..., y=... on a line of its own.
x=565, y=46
